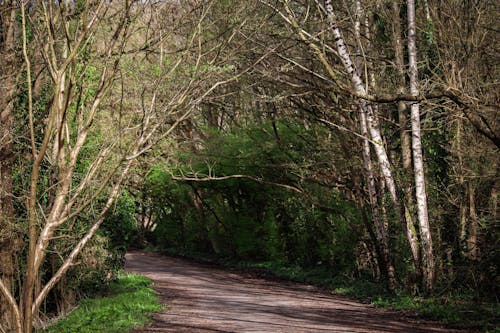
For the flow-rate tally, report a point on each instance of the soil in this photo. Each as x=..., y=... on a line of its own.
x=205, y=298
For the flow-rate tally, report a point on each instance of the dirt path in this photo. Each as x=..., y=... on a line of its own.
x=202, y=298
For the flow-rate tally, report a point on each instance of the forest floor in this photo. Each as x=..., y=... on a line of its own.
x=205, y=298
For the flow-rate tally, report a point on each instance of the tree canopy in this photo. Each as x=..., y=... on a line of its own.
x=357, y=137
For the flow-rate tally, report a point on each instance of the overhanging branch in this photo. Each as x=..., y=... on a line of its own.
x=265, y=182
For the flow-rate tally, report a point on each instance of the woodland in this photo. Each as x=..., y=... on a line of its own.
x=358, y=138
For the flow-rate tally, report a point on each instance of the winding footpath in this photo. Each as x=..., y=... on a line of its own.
x=201, y=298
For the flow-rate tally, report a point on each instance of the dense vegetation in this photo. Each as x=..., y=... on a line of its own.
x=328, y=140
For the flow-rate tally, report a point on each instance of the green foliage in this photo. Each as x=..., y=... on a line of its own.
x=96, y=268
x=119, y=226
x=129, y=305
x=275, y=231
x=249, y=220
x=170, y=203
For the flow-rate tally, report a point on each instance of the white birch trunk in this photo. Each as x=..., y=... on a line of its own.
x=373, y=129
x=418, y=162
x=381, y=229
x=357, y=82
x=405, y=137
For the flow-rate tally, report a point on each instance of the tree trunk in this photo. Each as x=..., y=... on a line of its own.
x=8, y=238
x=404, y=133
x=472, y=248
x=494, y=200
x=418, y=161
x=457, y=148
x=372, y=126
x=380, y=227
x=381, y=230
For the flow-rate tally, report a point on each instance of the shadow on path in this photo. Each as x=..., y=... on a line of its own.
x=207, y=299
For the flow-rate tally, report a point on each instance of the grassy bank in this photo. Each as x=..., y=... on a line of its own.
x=129, y=303
x=456, y=309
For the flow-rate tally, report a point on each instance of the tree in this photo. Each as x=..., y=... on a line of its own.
x=418, y=162
x=86, y=48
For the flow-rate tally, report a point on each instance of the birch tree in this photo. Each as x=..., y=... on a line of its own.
x=367, y=113
x=380, y=227
x=418, y=162
x=403, y=116
x=373, y=129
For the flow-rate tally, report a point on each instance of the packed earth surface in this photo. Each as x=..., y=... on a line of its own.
x=205, y=298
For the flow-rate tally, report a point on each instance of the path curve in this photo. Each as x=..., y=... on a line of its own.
x=201, y=298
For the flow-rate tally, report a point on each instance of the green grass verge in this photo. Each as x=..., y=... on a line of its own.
x=452, y=309
x=129, y=305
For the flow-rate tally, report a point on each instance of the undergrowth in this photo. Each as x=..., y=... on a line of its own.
x=452, y=309
x=129, y=303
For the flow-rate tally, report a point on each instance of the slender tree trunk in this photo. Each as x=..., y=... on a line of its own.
x=418, y=161
x=372, y=124
x=405, y=136
x=371, y=117
x=494, y=200
x=472, y=246
x=457, y=147
x=427, y=11
x=381, y=230
x=380, y=227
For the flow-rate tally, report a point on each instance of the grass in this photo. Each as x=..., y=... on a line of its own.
x=129, y=305
x=452, y=309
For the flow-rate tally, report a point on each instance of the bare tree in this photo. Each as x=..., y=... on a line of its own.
x=84, y=52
